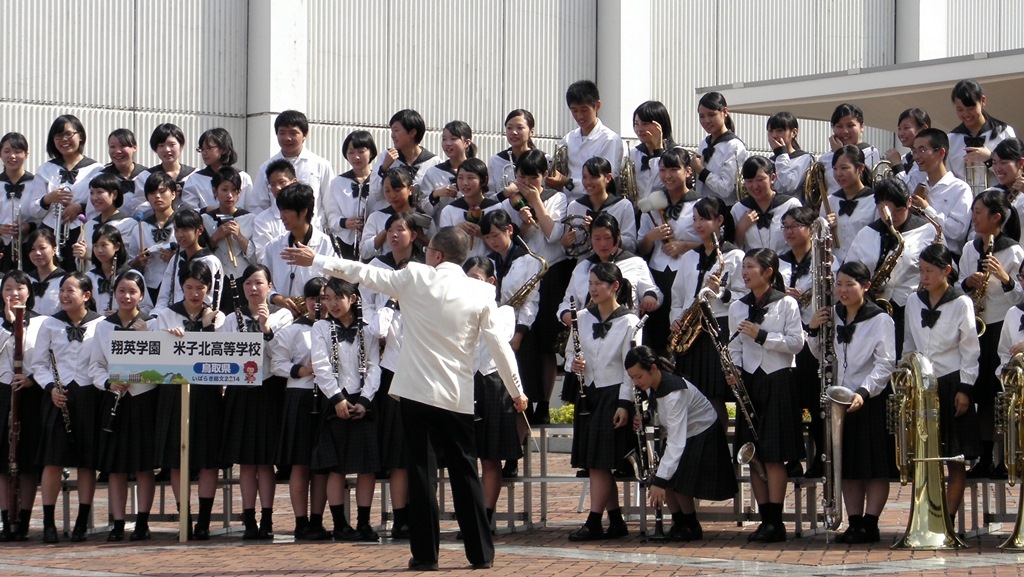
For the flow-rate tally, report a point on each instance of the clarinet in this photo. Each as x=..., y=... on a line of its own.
x=108, y=426
x=174, y=273
x=316, y=393
x=217, y=281
x=363, y=365
x=577, y=349
x=14, y=424
x=233, y=287
x=335, y=361
x=110, y=283
x=65, y=413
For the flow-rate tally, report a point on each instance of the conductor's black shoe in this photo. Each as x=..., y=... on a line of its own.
x=981, y=470
x=999, y=472
x=587, y=533
x=794, y=469
x=415, y=565
x=616, y=530
x=482, y=565
x=816, y=469
x=50, y=535
x=116, y=535
x=140, y=535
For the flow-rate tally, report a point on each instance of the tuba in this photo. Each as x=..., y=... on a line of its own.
x=519, y=297
x=627, y=178
x=1009, y=423
x=679, y=342
x=912, y=415
x=884, y=271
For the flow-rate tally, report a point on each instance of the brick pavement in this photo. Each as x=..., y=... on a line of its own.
x=541, y=552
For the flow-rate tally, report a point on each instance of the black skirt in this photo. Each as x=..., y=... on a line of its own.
x=129, y=447
x=960, y=435
x=55, y=448
x=779, y=437
x=705, y=470
x=496, y=434
x=808, y=384
x=298, y=428
x=988, y=385
x=346, y=446
x=206, y=409
x=390, y=432
x=702, y=366
x=868, y=451
x=552, y=291
x=596, y=443
x=656, y=330
x=252, y=423
x=30, y=400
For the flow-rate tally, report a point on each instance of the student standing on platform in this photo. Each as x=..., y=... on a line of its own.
x=267, y=225
x=157, y=236
x=758, y=216
x=941, y=195
x=502, y=167
x=439, y=186
x=600, y=196
x=791, y=163
x=591, y=139
x=972, y=141
x=218, y=152
x=721, y=154
x=296, y=204
x=167, y=141
x=347, y=206
x=852, y=203
x=407, y=131
x=14, y=180
x=292, y=129
x=1008, y=165
x=43, y=270
x=847, y=130
x=653, y=126
x=911, y=122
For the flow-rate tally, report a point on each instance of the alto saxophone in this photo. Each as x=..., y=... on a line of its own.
x=679, y=342
x=980, y=294
x=884, y=271
x=1009, y=422
x=519, y=298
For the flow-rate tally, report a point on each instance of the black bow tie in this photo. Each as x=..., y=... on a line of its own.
x=799, y=269
x=102, y=285
x=39, y=288
x=75, y=333
x=161, y=234
x=593, y=214
x=674, y=210
x=252, y=326
x=15, y=190
x=928, y=317
x=360, y=190
x=764, y=219
x=755, y=314
x=844, y=333
x=601, y=329
x=127, y=186
x=847, y=206
x=974, y=141
x=193, y=325
x=68, y=176
x=347, y=334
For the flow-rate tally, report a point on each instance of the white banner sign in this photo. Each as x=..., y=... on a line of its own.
x=158, y=357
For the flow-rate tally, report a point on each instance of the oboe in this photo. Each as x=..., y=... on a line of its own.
x=174, y=273
x=59, y=385
x=110, y=283
x=14, y=423
x=577, y=349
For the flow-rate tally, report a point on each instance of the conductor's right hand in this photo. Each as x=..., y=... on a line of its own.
x=520, y=403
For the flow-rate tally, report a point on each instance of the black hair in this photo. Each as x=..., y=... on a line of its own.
x=608, y=221
x=19, y=277
x=768, y=258
x=784, y=121
x=495, y=219
x=532, y=163
x=313, y=287
x=281, y=165
x=754, y=163
x=452, y=242
x=893, y=190
x=196, y=270
x=46, y=234
x=599, y=166
x=939, y=256
x=125, y=137
x=253, y=269
x=477, y=167
x=410, y=121
x=936, y=139
x=856, y=156
x=164, y=131
x=642, y=355
x=582, y=92
x=856, y=270
x=110, y=183
x=998, y=202
x=716, y=101
x=460, y=129
x=1010, y=149
x=530, y=122
x=409, y=219
x=804, y=215
x=360, y=139
x=226, y=174
x=84, y=284
x=292, y=118
x=654, y=111
x=847, y=109
x=609, y=272
x=920, y=117
x=158, y=179
x=341, y=288
x=131, y=275
x=17, y=141
x=401, y=177
x=679, y=158
x=970, y=93
x=189, y=218
x=297, y=196
x=482, y=262
x=222, y=138
x=58, y=127
x=710, y=208
x=113, y=234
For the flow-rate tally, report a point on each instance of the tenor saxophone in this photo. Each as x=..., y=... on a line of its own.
x=519, y=297
x=1009, y=422
x=691, y=324
x=884, y=271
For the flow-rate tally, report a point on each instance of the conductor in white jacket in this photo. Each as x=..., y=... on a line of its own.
x=444, y=313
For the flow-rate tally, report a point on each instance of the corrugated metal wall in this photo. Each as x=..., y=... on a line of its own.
x=976, y=26
x=124, y=63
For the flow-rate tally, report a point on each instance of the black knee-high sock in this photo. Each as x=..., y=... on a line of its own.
x=677, y=518
x=267, y=517
x=362, y=516
x=871, y=522
x=82, y=522
x=118, y=524
x=142, y=521
x=615, y=516
x=687, y=519
x=249, y=518
x=301, y=523
x=401, y=517
x=316, y=520
x=48, y=511
x=338, y=515
x=856, y=521
x=205, y=510
x=594, y=520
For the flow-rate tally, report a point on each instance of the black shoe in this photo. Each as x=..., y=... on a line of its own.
x=583, y=473
x=999, y=472
x=366, y=534
x=415, y=565
x=79, y=535
x=400, y=532
x=251, y=533
x=794, y=469
x=816, y=469
x=587, y=533
x=266, y=532
x=510, y=470
x=980, y=471
x=690, y=533
x=6, y=535
x=864, y=535
x=482, y=565
x=768, y=533
x=140, y=535
x=50, y=535
x=847, y=536
x=200, y=534
x=345, y=533
x=116, y=535
x=616, y=530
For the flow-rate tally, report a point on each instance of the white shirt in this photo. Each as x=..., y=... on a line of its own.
x=127, y=226
x=867, y=361
x=952, y=343
x=443, y=314
x=872, y=156
x=784, y=336
x=790, y=170
x=292, y=348
x=990, y=133
x=48, y=302
x=484, y=362
x=279, y=317
x=345, y=201
x=99, y=345
x=198, y=190
x=604, y=356
x=1008, y=336
x=917, y=234
x=803, y=281
x=421, y=163
x=165, y=298
x=266, y=227
x=289, y=280
x=245, y=219
x=722, y=162
x=602, y=141
x=29, y=338
x=950, y=204
x=510, y=280
x=548, y=247
x=633, y=268
x=72, y=357
x=614, y=205
x=690, y=280
x=772, y=236
x=310, y=169
x=501, y=172
x=997, y=301
x=682, y=229
x=457, y=212
x=153, y=237
x=439, y=176
x=849, y=225
x=647, y=179
x=685, y=413
x=10, y=207
x=383, y=317
x=48, y=178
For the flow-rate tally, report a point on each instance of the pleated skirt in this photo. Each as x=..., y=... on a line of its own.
x=30, y=402
x=705, y=470
x=596, y=444
x=868, y=450
x=81, y=448
x=206, y=411
x=960, y=435
x=298, y=428
x=346, y=446
x=496, y=434
x=702, y=366
x=252, y=423
x=779, y=436
x=129, y=447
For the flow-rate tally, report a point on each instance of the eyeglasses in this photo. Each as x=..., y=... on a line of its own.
x=435, y=250
x=793, y=226
x=65, y=135
x=922, y=151
x=207, y=148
